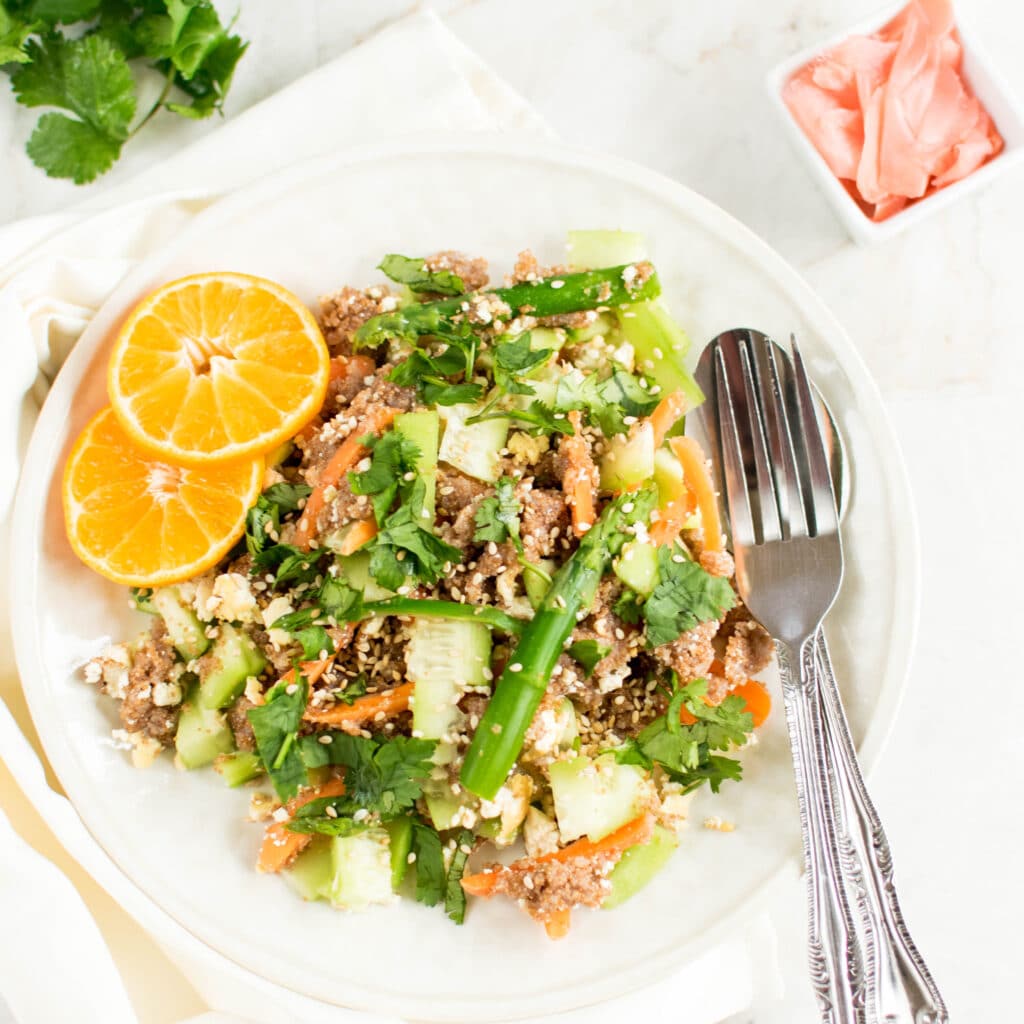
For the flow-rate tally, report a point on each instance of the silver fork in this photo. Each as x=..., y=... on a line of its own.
x=789, y=568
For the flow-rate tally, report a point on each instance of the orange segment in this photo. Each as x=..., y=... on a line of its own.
x=144, y=522
x=217, y=367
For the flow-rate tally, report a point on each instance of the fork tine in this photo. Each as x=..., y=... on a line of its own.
x=821, y=508
x=771, y=528
x=741, y=520
x=772, y=394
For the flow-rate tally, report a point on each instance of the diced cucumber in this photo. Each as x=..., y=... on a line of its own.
x=549, y=339
x=142, y=598
x=592, y=250
x=660, y=345
x=238, y=768
x=183, y=626
x=356, y=568
x=360, y=870
x=233, y=659
x=605, y=326
x=557, y=729
x=442, y=805
x=637, y=566
x=595, y=797
x=536, y=588
x=311, y=872
x=202, y=734
x=443, y=658
x=629, y=459
x=424, y=430
x=399, y=845
x=668, y=476
x=638, y=865
x=474, y=449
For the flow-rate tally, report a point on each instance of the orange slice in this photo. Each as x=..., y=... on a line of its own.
x=144, y=522
x=217, y=367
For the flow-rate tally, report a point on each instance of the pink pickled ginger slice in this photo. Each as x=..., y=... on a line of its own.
x=891, y=113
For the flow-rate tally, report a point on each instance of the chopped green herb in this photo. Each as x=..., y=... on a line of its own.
x=418, y=277
x=392, y=458
x=588, y=653
x=513, y=360
x=454, y=894
x=685, y=596
x=275, y=724
x=607, y=401
x=431, y=879
x=264, y=518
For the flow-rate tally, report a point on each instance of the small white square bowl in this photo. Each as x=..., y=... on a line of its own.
x=988, y=86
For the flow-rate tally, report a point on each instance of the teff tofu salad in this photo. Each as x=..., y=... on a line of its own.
x=482, y=602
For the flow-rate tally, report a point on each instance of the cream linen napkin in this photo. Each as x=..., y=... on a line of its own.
x=55, y=272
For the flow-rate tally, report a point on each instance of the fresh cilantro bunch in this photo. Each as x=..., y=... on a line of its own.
x=90, y=74
x=685, y=751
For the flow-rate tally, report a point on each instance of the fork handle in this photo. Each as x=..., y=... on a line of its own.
x=899, y=989
x=834, y=952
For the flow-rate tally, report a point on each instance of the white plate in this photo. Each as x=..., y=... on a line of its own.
x=181, y=838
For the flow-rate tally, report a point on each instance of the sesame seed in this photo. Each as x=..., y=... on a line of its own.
x=291, y=688
x=515, y=667
x=330, y=811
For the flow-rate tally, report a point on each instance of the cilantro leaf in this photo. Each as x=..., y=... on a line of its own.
x=66, y=148
x=275, y=724
x=339, y=601
x=89, y=77
x=63, y=12
x=210, y=83
x=383, y=776
x=324, y=825
x=14, y=33
x=454, y=894
x=431, y=880
x=403, y=549
x=429, y=374
x=353, y=690
x=264, y=518
x=418, y=277
x=606, y=401
x=288, y=563
x=514, y=359
x=437, y=391
x=628, y=608
x=497, y=518
x=315, y=642
x=588, y=653
x=685, y=596
x=684, y=751
x=393, y=456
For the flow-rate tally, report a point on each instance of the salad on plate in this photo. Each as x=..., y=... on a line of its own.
x=436, y=573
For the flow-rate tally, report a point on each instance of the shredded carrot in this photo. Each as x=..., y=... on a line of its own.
x=633, y=833
x=755, y=695
x=347, y=455
x=361, y=532
x=307, y=432
x=667, y=414
x=578, y=480
x=280, y=847
x=557, y=924
x=698, y=481
x=363, y=709
x=757, y=699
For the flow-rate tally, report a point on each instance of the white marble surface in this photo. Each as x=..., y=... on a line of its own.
x=936, y=313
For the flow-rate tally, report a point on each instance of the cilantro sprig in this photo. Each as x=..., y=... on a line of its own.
x=497, y=519
x=684, y=597
x=606, y=401
x=418, y=277
x=90, y=76
x=685, y=752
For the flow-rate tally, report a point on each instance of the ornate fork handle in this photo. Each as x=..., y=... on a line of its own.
x=834, y=952
x=898, y=986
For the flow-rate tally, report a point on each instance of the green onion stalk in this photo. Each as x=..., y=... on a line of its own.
x=499, y=737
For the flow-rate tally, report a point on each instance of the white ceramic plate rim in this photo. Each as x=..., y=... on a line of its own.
x=905, y=578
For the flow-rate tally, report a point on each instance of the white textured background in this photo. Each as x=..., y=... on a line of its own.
x=937, y=314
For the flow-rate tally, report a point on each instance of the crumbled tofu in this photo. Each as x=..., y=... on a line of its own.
x=527, y=450
x=253, y=690
x=144, y=749
x=237, y=601
x=612, y=681
x=110, y=670
x=203, y=600
x=716, y=824
x=540, y=833
x=510, y=803
x=166, y=695
x=546, y=732
x=278, y=607
x=262, y=806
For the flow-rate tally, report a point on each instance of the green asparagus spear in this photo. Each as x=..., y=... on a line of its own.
x=499, y=737
x=549, y=296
